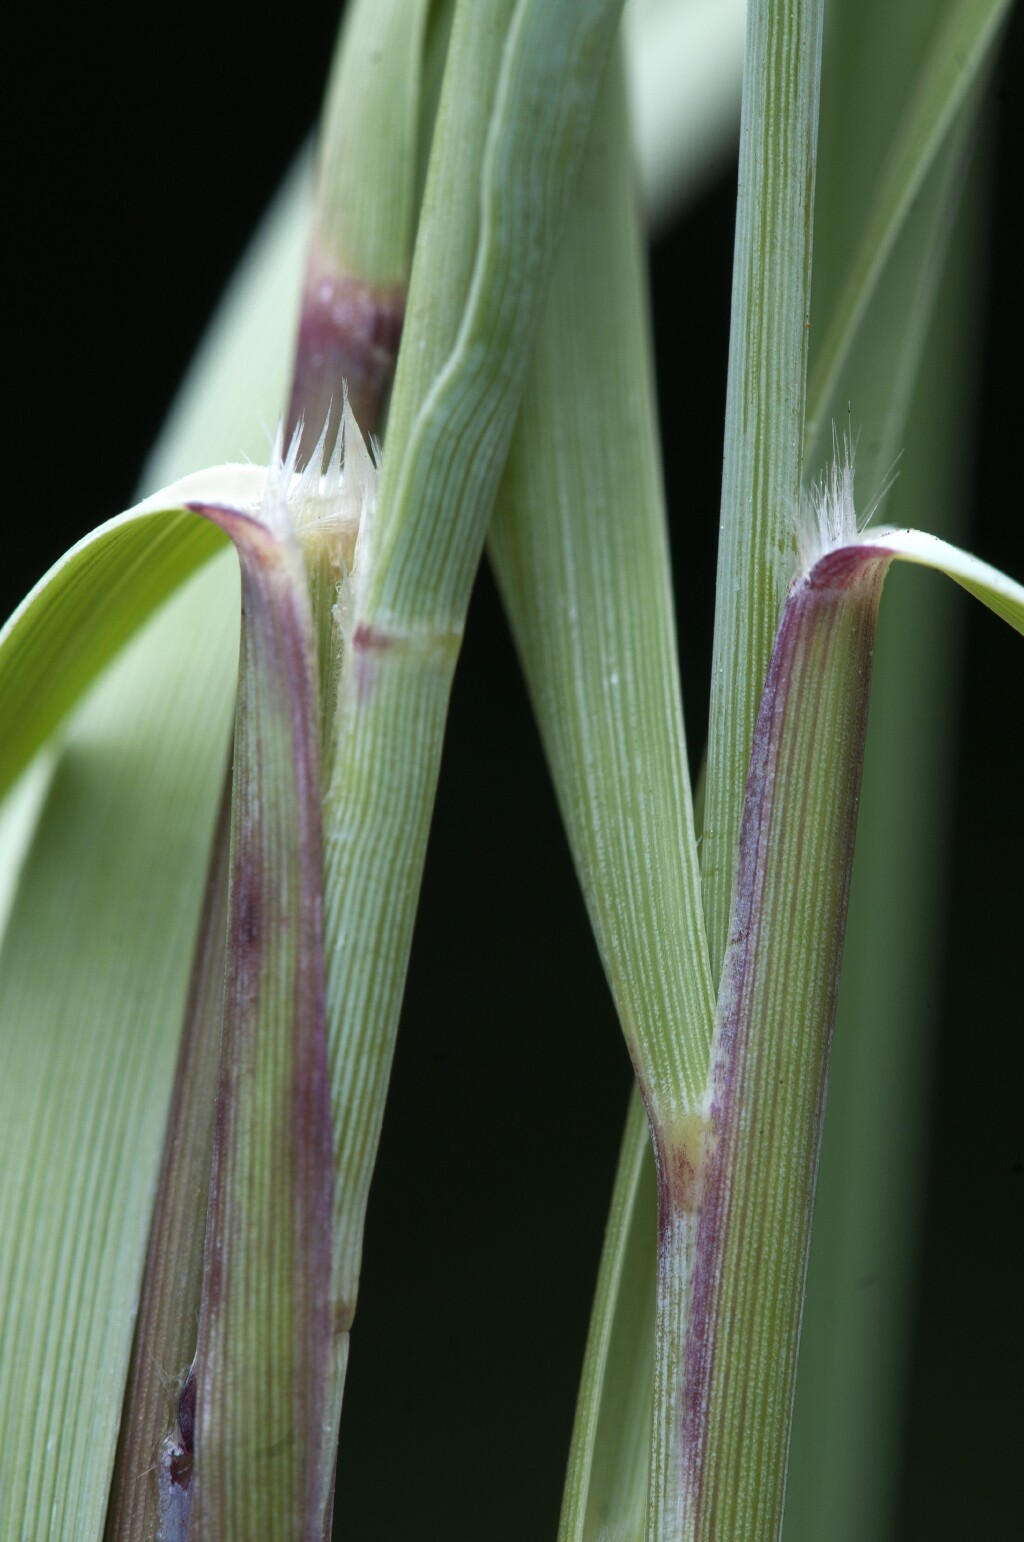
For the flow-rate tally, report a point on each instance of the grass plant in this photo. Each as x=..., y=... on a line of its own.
x=465, y=359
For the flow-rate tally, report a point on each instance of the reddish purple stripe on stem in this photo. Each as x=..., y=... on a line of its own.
x=827, y=630
x=274, y=1028
x=349, y=334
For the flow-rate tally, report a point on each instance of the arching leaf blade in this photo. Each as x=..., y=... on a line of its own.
x=95, y=597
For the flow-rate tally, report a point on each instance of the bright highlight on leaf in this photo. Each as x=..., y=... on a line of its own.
x=993, y=588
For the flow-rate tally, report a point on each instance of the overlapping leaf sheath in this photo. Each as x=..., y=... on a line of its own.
x=265, y=1334
x=770, y=1053
x=764, y=414
x=776, y=1010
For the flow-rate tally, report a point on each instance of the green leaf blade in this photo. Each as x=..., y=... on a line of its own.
x=580, y=552
x=93, y=976
x=453, y=425
x=607, y=1478
x=1001, y=594
x=956, y=56
x=95, y=598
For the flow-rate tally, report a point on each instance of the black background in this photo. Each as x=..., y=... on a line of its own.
x=142, y=147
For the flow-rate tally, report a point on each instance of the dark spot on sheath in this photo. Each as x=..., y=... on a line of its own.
x=347, y=332
x=368, y=639
x=187, y=1411
x=180, y=1467
x=179, y=1448
x=247, y=908
x=682, y=1175
x=684, y=1178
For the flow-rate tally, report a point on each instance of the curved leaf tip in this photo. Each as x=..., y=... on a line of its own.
x=828, y=524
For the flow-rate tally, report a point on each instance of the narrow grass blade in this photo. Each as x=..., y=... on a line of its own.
x=367, y=173
x=457, y=395
x=873, y=391
x=1001, y=594
x=871, y=383
x=264, y=1357
x=607, y=1477
x=579, y=549
x=94, y=598
x=961, y=42
x=580, y=552
x=764, y=416
x=93, y=977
